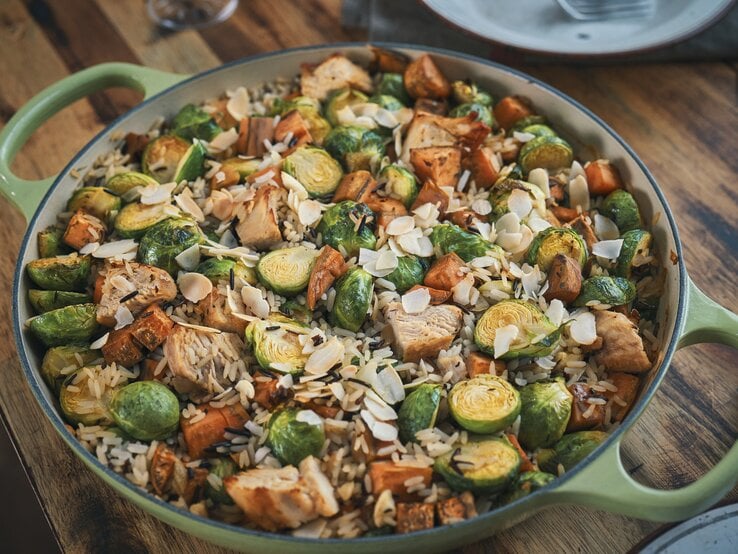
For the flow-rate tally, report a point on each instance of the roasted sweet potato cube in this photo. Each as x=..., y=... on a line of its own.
x=203, y=433
x=252, y=132
x=225, y=177
x=525, y=463
x=221, y=115
x=414, y=516
x=445, y=272
x=602, y=177
x=328, y=267
x=293, y=122
x=428, y=105
x=624, y=397
x=84, y=229
x=386, y=209
x=97, y=292
x=480, y=364
x=437, y=296
x=122, y=349
x=485, y=167
x=510, y=109
x=321, y=409
x=564, y=214
x=583, y=414
x=564, y=279
x=268, y=394
x=274, y=172
x=432, y=193
x=257, y=221
x=392, y=476
x=440, y=164
x=135, y=144
x=151, y=327
x=464, y=217
x=357, y=186
x=423, y=79
x=388, y=61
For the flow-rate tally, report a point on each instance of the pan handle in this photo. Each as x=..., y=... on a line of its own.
x=27, y=194
x=605, y=483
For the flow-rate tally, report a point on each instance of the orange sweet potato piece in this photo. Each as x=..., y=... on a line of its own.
x=440, y=164
x=321, y=409
x=268, y=394
x=602, y=177
x=135, y=144
x=627, y=385
x=423, y=79
x=356, y=186
x=276, y=174
x=97, y=291
x=580, y=407
x=481, y=364
x=293, y=122
x=252, y=131
x=121, y=348
x=386, y=209
x=414, y=516
x=388, y=61
x=510, y=109
x=199, y=436
x=225, y=177
x=390, y=475
x=436, y=296
x=445, y=272
x=464, y=217
x=484, y=167
x=564, y=214
x=328, y=267
x=83, y=229
x=525, y=463
x=431, y=192
x=564, y=279
x=151, y=327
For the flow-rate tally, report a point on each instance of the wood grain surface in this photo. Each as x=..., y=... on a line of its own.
x=681, y=119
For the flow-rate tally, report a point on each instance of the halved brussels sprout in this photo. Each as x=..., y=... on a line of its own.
x=484, y=113
x=553, y=241
x=467, y=92
x=409, y=272
x=315, y=169
x=527, y=121
x=192, y=164
x=339, y=99
x=193, y=122
x=244, y=167
x=537, y=336
x=61, y=358
x=294, y=310
x=164, y=241
x=80, y=405
x=615, y=291
x=50, y=243
x=67, y=273
x=276, y=345
x=539, y=130
x=399, y=183
x=145, y=410
x=135, y=219
x=121, y=183
x=387, y=102
x=621, y=207
x=393, y=84
x=548, y=152
x=501, y=191
x=221, y=468
x=170, y=158
x=287, y=271
x=68, y=325
x=281, y=106
x=448, y=237
x=636, y=243
x=484, y=404
x=570, y=450
x=218, y=270
x=355, y=147
x=354, y=292
x=526, y=483
x=419, y=411
x=485, y=466
x=95, y=201
x=309, y=109
x=350, y=226
x=545, y=413
x=47, y=300
x=295, y=434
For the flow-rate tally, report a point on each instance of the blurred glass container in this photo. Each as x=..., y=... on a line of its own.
x=190, y=14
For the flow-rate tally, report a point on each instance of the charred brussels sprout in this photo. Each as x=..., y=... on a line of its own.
x=193, y=122
x=484, y=113
x=340, y=229
x=286, y=271
x=79, y=404
x=392, y=84
x=448, y=237
x=353, y=299
x=636, y=244
x=500, y=194
x=526, y=483
x=314, y=168
x=467, y=92
x=531, y=324
x=545, y=413
x=548, y=152
x=65, y=273
x=145, y=410
x=606, y=290
x=68, y=325
x=408, y=273
x=121, y=183
x=61, y=358
x=399, y=183
x=309, y=109
x=220, y=270
x=135, y=219
x=419, y=411
x=485, y=466
x=166, y=240
x=95, y=201
x=387, y=102
x=221, y=468
x=295, y=434
x=621, y=207
x=484, y=404
x=47, y=300
x=570, y=450
x=340, y=99
x=276, y=344
x=356, y=147
x=553, y=241
x=50, y=243
x=170, y=158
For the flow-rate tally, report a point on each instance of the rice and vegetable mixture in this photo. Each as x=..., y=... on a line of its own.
x=351, y=303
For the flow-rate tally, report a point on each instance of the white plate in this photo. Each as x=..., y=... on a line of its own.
x=542, y=26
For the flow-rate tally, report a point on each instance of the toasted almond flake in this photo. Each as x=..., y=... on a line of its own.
x=325, y=357
x=89, y=248
x=189, y=258
x=123, y=317
x=556, y=312
x=238, y=104
x=156, y=194
x=224, y=140
x=338, y=391
x=309, y=417
x=526, y=239
x=604, y=227
x=246, y=388
x=509, y=222
x=463, y=290
x=537, y=223
x=312, y=530
x=519, y=203
x=579, y=193
x=509, y=241
x=481, y=206
x=583, y=329
x=309, y=212
x=187, y=204
x=290, y=183
x=576, y=170
x=384, y=431
x=424, y=211
x=99, y=343
x=346, y=115
x=255, y=302
x=386, y=118
x=400, y=225
x=416, y=302
x=115, y=248
x=378, y=407
x=530, y=280
x=386, y=260
x=523, y=137
x=194, y=286
x=365, y=121
x=504, y=337
x=539, y=178
x=609, y=249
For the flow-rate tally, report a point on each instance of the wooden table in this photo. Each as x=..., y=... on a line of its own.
x=680, y=118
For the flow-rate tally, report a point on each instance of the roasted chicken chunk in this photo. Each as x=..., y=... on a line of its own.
x=422, y=335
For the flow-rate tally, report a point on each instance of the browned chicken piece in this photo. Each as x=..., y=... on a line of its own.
x=440, y=164
x=335, y=72
x=293, y=122
x=221, y=115
x=323, y=410
x=433, y=194
x=257, y=225
x=198, y=359
x=446, y=272
x=388, y=61
x=121, y=349
x=217, y=313
x=169, y=475
x=374, y=448
x=583, y=414
x=135, y=144
x=356, y=186
x=624, y=397
x=151, y=327
x=225, y=177
x=203, y=433
x=190, y=485
x=622, y=347
x=423, y=79
x=148, y=373
x=464, y=218
x=564, y=279
x=481, y=364
x=422, y=335
x=161, y=470
x=437, y=296
x=390, y=475
x=329, y=266
x=583, y=225
x=602, y=177
x=510, y=109
x=269, y=395
x=84, y=229
x=275, y=499
x=252, y=132
x=564, y=214
x=414, y=516
x=427, y=129
x=119, y=281
x=485, y=167
x=428, y=105
x=386, y=209
x=456, y=508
